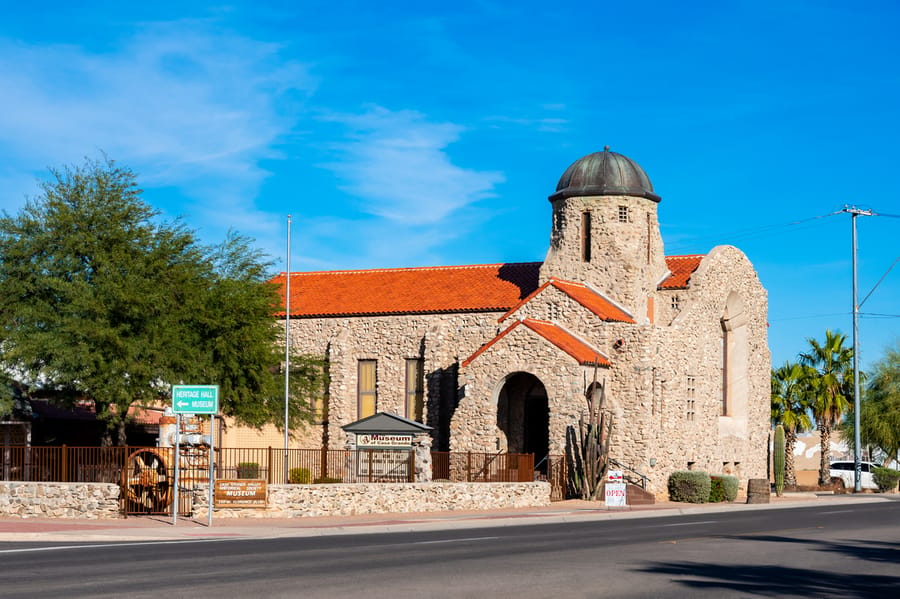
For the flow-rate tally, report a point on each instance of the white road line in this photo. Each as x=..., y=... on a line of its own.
x=837, y=512
x=455, y=540
x=690, y=523
x=103, y=545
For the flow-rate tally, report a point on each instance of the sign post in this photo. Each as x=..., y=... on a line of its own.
x=195, y=399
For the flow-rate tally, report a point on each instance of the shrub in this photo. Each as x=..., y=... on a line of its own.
x=716, y=489
x=690, y=486
x=327, y=480
x=727, y=486
x=885, y=478
x=248, y=470
x=299, y=476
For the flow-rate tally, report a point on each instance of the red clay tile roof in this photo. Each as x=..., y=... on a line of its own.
x=556, y=335
x=681, y=267
x=426, y=290
x=585, y=296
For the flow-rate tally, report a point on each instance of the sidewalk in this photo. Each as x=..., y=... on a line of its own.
x=158, y=528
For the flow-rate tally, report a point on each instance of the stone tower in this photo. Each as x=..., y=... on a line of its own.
x=606, y=231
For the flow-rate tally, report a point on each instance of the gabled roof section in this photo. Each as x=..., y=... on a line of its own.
x=582, y=294
x=425, y=290
x=681, y=269
x=386, y=423
x=564, y=340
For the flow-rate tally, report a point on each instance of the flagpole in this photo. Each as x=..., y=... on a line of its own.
x=287, y=347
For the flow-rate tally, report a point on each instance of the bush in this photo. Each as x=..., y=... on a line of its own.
x=885, y=478
x=690, y=486
x=716, y=489
x=327, y=480
x=723, y=487
x=299, y=476
x=248, y=470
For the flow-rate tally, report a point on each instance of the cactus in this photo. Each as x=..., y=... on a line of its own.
x=779, y=460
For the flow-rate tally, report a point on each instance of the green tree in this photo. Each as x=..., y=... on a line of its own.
x=830, y=387
x=100, y=300
x=791, y=405
x=879, y=414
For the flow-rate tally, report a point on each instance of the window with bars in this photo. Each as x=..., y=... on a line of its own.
x=676, y=303
x=691, y=392
x=415, y=389
x=624, y=217
x=365, y=388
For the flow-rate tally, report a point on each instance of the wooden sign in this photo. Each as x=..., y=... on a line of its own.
x=247, y=493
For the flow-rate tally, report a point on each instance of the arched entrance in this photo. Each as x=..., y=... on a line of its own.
x=524, y=415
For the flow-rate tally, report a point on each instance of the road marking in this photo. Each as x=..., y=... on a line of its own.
x=838, y=512
x=690, y=523
x=105, y=545
x=455, y=540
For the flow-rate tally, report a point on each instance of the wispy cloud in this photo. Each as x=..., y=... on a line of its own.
x=396, y=163
x=182, y=103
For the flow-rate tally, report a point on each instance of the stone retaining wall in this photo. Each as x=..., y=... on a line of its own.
x=101, y=500
x=59, y=500
x=298, y=501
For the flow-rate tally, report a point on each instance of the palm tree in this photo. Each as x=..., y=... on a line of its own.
x=791, y=404
x=831, y=361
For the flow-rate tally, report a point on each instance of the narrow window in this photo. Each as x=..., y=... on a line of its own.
x=623, y=214
x=586, y=236
x=676, y=305
x=366, y=389
x=415, y=385
x=691, y=392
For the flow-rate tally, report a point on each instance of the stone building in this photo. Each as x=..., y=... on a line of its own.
x=498, y=357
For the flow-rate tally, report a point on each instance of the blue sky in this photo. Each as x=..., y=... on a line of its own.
x=409, y=133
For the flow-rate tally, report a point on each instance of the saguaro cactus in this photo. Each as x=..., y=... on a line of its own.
x=778, y=458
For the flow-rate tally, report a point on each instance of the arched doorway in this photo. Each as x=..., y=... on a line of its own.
x=523, y=415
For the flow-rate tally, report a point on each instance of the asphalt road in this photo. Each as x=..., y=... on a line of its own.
x=842, y=551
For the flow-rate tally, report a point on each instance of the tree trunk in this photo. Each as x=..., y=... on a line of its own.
x=790, y=477
x=825, y=455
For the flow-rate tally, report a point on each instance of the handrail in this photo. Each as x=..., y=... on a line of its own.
x=642, y=483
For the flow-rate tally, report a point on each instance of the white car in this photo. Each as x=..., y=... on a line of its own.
x=844, y=470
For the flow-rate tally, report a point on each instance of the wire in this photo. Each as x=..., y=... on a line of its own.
x=761, y=231
x=878, y=283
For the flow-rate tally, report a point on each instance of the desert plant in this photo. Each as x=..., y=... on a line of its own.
x=778, y=460
x=716, y=489
x=587, y=449
x=299, y=476
x=723, y=487
x=247, y=470
x=886, y=478
x=731, y=486
x=690, y=486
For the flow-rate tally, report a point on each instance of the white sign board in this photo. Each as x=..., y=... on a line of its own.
x=615, y=495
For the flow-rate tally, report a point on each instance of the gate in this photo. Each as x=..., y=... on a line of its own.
x=148, y=480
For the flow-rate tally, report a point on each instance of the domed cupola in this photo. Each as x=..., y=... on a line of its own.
x=604, y=174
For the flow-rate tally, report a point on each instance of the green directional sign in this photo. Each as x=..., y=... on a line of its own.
x=195, y=399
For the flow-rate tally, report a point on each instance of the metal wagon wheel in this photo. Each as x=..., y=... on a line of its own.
x=148, y=487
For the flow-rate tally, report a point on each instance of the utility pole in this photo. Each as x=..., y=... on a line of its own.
x=857, y=466
x=287, y=348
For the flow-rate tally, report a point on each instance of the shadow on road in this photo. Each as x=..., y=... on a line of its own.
x=784, y=580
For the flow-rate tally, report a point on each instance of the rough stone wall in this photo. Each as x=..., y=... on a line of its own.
x=441, y=339
x=626, y=259
x=298, y=501
x=474, y=426
x=692, y=347
x=59, y=500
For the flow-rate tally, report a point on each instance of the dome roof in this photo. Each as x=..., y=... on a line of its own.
x=604, y=174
